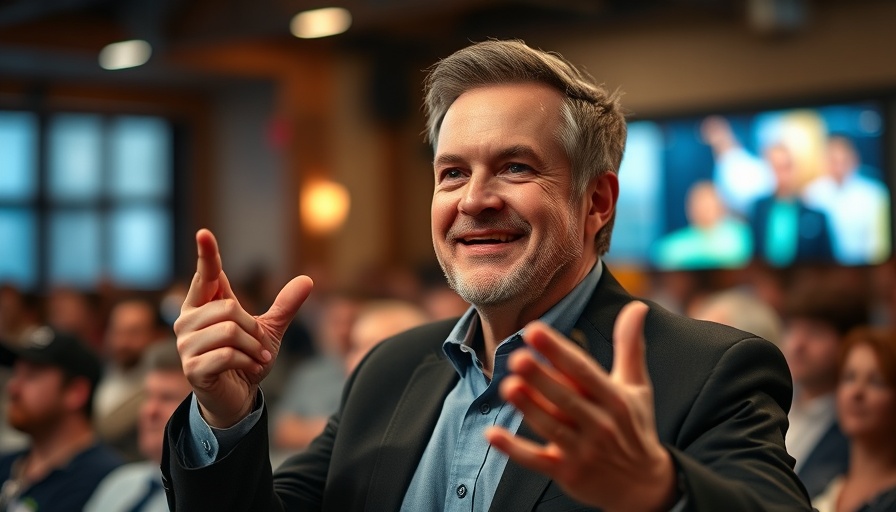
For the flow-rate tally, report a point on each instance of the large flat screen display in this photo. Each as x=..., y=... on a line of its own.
x=785, y=186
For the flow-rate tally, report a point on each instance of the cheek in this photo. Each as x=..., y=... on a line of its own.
x=442, y=214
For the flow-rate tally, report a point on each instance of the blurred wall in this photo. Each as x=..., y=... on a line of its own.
x=668, y=64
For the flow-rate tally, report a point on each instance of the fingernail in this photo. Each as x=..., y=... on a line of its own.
x=265, y=355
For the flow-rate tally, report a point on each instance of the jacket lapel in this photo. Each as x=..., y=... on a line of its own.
x=409, y=432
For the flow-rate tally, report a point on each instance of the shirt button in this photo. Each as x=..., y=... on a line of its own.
x=207, y=446
x=461, y=491
x=485, y=408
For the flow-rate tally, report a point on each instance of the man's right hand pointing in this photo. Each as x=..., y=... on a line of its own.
x=225, y=351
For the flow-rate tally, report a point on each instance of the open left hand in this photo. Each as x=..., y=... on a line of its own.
x=601, y=444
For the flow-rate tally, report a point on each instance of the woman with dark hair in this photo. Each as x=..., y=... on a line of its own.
x=866, y=408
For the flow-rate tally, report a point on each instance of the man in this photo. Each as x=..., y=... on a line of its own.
x=785, y=230
x=138, y=486
x=463, y=414
x=134, y=325
x=50, y=396
x=858, y=206
x=818, y=314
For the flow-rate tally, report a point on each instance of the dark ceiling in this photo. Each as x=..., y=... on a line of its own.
x=60, y=39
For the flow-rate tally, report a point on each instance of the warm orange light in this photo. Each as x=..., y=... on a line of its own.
x=323, y=206
x=324, y=22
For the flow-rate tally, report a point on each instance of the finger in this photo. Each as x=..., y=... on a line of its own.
x=543, y=417
x=215, y=312
x=213, y=363
x=205, y=285
x=285, y=306
x=222, y=335
x=550, y=389
x=530, y=455
x=630, y=365
x=569, y=359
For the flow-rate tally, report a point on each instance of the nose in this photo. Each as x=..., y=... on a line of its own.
x=481, y=193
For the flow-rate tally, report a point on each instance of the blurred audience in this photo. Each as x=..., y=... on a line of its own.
x=76, y=312
x=314, y=386
x=20, y=313
x=138, y=486
x=866, y=408
x=135, y=324
x=819, y=312
x=742, y=310
x=50, y=399
x=378, y=320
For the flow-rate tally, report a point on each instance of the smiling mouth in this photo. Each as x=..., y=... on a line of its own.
x=491, y=239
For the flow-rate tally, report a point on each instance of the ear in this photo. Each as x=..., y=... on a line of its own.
x=601, y=196
x=76, y=394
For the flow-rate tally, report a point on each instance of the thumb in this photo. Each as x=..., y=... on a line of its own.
x=629, y=363
x=285, y=306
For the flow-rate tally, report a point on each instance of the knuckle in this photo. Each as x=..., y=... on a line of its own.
x=229, y=329
x=230, y=306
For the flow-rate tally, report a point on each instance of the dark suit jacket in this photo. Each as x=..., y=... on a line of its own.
x=813, y=242
x=721, y=395
x=829, y=458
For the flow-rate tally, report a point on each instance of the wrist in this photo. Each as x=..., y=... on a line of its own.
x=226, y=421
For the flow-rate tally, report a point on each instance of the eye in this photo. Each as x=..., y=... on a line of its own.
x=449, y=174
x=518, y=168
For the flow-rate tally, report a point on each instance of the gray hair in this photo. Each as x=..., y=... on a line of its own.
x=162, y=356
x=593, y=130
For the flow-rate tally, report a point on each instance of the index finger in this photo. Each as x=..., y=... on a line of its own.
x=208, y=270
x=571, y=361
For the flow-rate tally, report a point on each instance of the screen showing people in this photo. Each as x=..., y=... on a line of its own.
x=786, y=187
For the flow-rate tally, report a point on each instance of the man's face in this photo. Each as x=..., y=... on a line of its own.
x=165, y=390
x=811, y=348
x=504, y=228
x=131, y=329
x=36, y=397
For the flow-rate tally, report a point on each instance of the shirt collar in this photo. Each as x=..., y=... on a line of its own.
x=562, y=316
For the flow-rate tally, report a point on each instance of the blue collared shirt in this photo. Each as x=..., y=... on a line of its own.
x=459, y=469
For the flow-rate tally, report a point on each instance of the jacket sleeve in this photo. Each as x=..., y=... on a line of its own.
x=242, y=479
x=730, y=450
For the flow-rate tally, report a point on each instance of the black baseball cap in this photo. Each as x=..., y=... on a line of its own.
x=44, y=345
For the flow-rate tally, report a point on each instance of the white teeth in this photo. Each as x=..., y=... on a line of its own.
x=498, y=238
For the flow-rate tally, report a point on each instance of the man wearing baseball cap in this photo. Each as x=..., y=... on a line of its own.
x=50, y=397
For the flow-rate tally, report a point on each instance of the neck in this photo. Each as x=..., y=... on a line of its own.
x=873, y=458
x=500, y=321
x=55, y=447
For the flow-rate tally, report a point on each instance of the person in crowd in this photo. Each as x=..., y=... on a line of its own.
x=554, y=391
x=742, y=310
x=712, y=239
x=818, y=313
x=20, y=313
x=314, y=386
x=50, y=398
x=77, y=312
x=857, y=205
x=134, y=325
x=785, y=230
x=866, y=408
x=378, y=320
x=137, y=487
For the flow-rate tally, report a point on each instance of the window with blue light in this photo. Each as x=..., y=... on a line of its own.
x=86, y=198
